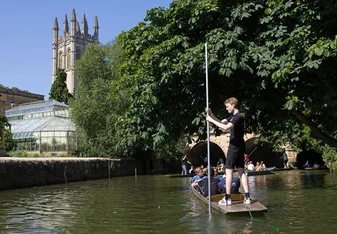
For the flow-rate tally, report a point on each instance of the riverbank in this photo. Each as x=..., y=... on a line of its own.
x=29, y=172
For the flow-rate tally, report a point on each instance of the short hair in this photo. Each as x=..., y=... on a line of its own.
x=233, y=101
x=198, y=170
x=212, y=171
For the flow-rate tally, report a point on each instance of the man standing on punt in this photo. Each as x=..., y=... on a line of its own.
x=236, y=149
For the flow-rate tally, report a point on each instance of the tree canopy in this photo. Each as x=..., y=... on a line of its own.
x=13, y=88
x=276, y=56
x=5, y=132
x=4, y=124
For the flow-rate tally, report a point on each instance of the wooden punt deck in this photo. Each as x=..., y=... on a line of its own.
x=237, y=203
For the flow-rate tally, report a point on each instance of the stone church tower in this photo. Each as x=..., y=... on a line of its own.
x=69, y=47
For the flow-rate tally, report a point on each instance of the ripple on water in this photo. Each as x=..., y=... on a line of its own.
x=156, y=204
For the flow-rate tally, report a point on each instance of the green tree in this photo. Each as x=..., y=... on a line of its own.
x=265, y=54
x=4, y=124
x=165, y=65
x=10, y=143
x=276, y=56
x=93, y=108
x=5, y=131
x=297, y=54
x=59, y=90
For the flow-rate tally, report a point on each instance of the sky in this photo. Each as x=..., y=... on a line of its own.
x=27, y=34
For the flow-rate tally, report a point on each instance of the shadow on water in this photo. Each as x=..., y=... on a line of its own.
x=158, y=204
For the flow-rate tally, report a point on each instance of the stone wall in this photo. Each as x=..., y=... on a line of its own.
x=223, y=142
x=28, y=172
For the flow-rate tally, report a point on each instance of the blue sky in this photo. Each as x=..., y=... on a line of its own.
x=26, y=34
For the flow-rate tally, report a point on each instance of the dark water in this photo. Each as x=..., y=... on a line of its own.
x=297, y=201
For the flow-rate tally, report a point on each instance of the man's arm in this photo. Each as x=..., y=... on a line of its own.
x=210, y=113
x=195, y=184
x=224, y=121
x=221, y=125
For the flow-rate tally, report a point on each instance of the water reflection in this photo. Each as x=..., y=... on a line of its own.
x=157, y=204
x=28, y=210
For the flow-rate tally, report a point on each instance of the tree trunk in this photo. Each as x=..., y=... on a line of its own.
x=315, y=131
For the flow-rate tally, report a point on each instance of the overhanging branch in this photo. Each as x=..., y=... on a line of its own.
x=315, y=131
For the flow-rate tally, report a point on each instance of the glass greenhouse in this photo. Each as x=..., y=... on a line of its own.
x=43, y=126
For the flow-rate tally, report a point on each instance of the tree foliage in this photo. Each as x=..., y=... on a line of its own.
x=94, y=108
x=4, y=124
x=6, y=132
x=277, y=57
x=59, y=90
x=10, y=143
x=301, y=72
x=13, y=88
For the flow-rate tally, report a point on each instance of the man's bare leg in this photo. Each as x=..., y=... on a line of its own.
x=244, y=180
x=245, y=186
x=229, y=180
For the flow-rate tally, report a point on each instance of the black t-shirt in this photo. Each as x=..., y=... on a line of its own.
x=237, y=132
x=204, y=185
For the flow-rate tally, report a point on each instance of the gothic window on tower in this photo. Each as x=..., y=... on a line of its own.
x=60, y=65
x=78, y=54
x=68, y=58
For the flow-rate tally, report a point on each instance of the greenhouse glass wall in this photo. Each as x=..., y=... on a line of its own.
x=43, y=126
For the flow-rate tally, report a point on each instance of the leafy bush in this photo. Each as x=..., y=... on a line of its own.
x=18, y=154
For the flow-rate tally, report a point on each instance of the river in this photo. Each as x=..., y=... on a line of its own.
x=298, y=201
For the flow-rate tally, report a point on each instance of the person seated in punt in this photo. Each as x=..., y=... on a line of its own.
x=199, y=175
x=222, y=184
x=202, y=185
x=220, y=161
x=250, y=166
x=263, y=166
x=220, y=169
x=258, y=166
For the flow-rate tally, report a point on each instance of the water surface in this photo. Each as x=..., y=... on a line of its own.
x=297, y=202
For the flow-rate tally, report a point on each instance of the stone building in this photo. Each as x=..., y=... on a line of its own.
x=69, y=47
x=10, y=98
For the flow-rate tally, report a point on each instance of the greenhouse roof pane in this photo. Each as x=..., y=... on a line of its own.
x=27, y=127
x=57, y=124
x=36, y=107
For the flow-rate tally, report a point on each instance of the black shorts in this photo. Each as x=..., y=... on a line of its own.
x=235, y=157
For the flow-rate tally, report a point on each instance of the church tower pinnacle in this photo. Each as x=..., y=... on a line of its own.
x=96, y=27
x=55, y=46
x=84, y=26
x=65, y=24
x=73, y=23
x=69, y=47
